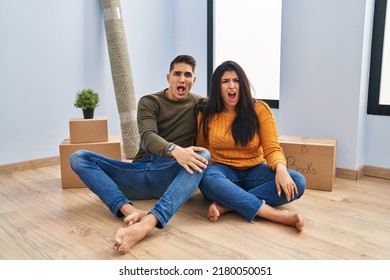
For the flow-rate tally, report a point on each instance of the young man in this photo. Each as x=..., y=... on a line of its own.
x=167, y=166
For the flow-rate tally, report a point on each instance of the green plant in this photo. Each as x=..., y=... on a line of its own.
x=87, y=99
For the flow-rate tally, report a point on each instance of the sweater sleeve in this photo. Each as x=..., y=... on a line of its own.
x=269, y=136
x=151, y=141
x=200, y=139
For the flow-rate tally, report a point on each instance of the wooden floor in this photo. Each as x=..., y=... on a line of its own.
x=41, y=221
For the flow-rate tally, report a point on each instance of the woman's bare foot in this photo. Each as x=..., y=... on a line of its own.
x=215, y=211
x=132, y=214
x=300, y=222
x=281, y=216
x=294, y=219
x=127, y=238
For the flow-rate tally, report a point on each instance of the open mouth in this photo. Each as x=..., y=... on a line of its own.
x=232, y=95
x=181, y=89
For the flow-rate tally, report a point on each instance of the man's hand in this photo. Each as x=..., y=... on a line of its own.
x=187, y=158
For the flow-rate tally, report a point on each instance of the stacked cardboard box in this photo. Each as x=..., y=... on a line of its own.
x=86, y=134
x=88, y=130
x=315, y=158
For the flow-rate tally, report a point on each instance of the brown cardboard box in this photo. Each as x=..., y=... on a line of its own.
x=315, y=158
x=88, y=130
x=69, y=179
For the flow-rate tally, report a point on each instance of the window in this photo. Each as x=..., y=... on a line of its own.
x=379, y=83
x=248, y=32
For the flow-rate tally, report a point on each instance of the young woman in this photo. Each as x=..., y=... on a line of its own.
x=248, y=172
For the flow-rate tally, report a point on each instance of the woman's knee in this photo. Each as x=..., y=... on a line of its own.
x=210, y=179
x=205, y=154
x=212, y=173
x=206, y=189
x=300, y=182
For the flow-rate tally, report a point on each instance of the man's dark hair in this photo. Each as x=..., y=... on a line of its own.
x=183, y=59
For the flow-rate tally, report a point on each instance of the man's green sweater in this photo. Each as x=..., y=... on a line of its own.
x=162, y=121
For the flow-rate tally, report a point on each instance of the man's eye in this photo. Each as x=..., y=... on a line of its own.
x=188, y=75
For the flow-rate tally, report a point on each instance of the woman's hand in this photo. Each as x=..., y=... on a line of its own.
x=285, y=182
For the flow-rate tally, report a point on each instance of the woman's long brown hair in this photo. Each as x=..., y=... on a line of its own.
x=246, y=124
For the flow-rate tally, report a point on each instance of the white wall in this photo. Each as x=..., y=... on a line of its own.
x=46, y=56
x=190, y=37
x=324, y=77
x=52, y=49
x=322, y=45
x=377, y=149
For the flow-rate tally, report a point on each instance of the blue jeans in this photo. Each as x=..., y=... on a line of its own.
x=117, y=182
x=245, y=191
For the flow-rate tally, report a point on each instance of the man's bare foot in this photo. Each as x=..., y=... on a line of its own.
x=127, y=238
x=215, y=211
x=134, y=217
x=132, y=214
x=281, y=216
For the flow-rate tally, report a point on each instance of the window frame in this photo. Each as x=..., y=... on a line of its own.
x=378, y=34
x=273, y=103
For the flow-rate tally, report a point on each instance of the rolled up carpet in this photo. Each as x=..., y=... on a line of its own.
x=121, y=75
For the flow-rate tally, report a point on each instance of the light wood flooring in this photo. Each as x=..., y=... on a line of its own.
x=41, y=221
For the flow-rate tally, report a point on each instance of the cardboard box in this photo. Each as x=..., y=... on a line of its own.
x=315, y=158
x=69, y=179
x=88, y=130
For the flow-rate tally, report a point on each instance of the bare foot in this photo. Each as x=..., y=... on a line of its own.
x=281, y=216
x=294, y=219
x=299, y=222
x=134, y=217
x=127, y=238
x=215, y=211
x=132, y=214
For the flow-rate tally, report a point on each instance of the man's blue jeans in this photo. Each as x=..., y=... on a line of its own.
x=116, y=182
x=245, y=191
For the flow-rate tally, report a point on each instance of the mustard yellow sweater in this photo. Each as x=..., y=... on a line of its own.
x=264, y=147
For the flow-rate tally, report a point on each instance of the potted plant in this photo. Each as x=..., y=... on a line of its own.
x=87, y=99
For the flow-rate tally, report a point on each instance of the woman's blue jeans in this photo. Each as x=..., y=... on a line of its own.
x=245, y=191
x=117, y=182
